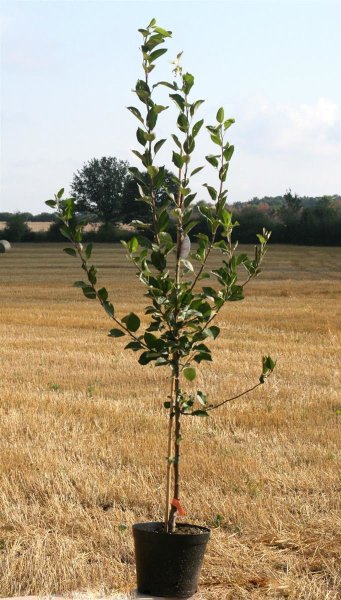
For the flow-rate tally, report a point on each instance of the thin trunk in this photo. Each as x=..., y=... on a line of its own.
x=176, y=376
x=176, y=459
x=169, y=451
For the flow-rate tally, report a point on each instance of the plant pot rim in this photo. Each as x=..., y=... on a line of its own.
x=149, y=528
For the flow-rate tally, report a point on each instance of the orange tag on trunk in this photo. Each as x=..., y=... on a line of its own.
x=176, y=503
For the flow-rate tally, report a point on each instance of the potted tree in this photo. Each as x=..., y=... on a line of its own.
x=182, y=305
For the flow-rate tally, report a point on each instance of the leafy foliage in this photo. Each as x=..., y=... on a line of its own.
x=16, y=229
x=133, y=208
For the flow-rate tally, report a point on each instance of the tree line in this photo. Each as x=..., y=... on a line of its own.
x=107, y=193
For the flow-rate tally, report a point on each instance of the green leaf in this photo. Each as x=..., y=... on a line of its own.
x=189, y=227
x=103, y=294
x=210, y=292
x=141, y=136
x=212, y=331
x=88, y=251
x=133, y=346
x=213, y=129
x=154, y=55
x=228, y=152
x=176, y=140
x=223, y=172
x=133, y=245
x=152, y=171
x=151, y=119
x=189, y=199
x=220, y=115
x=172, y=86
x=167, y=404
x=179, y=101
x=137, y=175
x=153, y=342
x=163, y=32
x=187, y=264
x=136, y=113
x=65, y=232
x=158, y=260
x=206, y=211
x=212, y=160
x=158, y=145
x=189, y=373
x=261, y=238
x=196, y=170
x=141, y=85
x=228, y=123
x=222, y=245
x=92, y=275
x=189, y=145
x=177, y=160
x=158, y=108
x=237, y=293
x=188, y=82
x=195, y=106
x=216, y=139
x=140, y=225
x=139, y=155
x=132, y=322
x=70, y=251
x=89, y=292
x=201, y=397
x=80, y=284
x=165, y=238
x=147, y=357
x=199, y=413
x=115, y=333
x=60, y=193
x=109, y=309
x=268, y=364
x=182, y=122
x=203, y=356
x=51, y=203
x=197, y=127
x=212, y=192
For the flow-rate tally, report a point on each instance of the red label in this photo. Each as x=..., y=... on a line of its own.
x=176, y=503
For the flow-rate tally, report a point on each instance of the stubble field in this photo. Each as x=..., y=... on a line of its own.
x=83, y=432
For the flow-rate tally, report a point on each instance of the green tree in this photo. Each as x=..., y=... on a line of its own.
x=98, y=188
x=184, y=294
x=291, y=208
x=16, y=228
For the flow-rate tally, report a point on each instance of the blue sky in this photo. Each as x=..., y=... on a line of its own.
x=68, y=67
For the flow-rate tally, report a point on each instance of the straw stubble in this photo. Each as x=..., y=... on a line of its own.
x=83, y=432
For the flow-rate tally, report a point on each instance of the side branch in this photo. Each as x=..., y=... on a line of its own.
x=261, y=382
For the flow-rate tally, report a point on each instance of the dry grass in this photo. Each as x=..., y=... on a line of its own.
x=82, y=452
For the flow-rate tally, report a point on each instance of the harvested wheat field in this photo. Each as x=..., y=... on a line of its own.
x=83, y=432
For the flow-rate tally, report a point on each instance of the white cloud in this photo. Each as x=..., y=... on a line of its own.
x=305, y=129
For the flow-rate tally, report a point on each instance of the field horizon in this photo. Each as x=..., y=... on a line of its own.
x=82, y=431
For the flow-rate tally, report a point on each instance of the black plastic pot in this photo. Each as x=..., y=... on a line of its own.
x=168, y=564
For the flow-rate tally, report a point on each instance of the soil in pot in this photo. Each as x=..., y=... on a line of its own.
x=167, y=564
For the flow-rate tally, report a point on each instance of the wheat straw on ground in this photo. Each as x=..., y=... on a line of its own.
x=83, y=432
